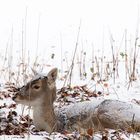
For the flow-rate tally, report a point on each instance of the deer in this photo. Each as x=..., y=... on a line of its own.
x=40, y=94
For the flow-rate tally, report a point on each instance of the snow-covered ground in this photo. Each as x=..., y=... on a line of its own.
x=118, y=90
x=38, y=35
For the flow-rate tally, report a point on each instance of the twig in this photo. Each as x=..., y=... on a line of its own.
x=72, y=64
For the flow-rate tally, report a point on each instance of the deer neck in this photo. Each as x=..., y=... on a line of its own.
x=43, y=106
x=44, y=116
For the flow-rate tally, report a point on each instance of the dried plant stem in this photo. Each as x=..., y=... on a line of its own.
x=113, y=57
x=102, y=58
x=10, y=57
x=126, y=57
x=38, y=30
x=93, y=59
x=76, y=45
x=84, y=65
x=37, y=42
x=97, y=66
x=133, y=76
x=72, y=64
x=80, y=65
x=80, y=62
x=61, y=44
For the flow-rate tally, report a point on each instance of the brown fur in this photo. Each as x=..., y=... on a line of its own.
x=40, y=94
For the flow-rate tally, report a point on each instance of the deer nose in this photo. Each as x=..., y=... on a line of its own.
x=14, y=97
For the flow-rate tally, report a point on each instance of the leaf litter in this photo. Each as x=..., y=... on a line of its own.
x=21, y=125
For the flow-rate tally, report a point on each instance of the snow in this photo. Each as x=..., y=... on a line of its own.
x=118, y=90
x=33, y=137
x=83, y=107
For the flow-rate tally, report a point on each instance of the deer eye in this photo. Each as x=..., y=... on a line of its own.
x=36, y=86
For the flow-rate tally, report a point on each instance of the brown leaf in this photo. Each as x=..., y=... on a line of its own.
x=90, y=131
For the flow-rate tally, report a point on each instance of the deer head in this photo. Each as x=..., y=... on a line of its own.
x=38, y=90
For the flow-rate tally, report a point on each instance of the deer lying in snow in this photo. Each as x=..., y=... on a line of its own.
x=40, y=93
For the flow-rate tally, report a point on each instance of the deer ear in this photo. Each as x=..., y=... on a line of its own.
x=52, y=75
